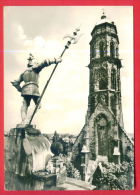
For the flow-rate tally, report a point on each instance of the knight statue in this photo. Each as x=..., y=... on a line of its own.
x=30, y=90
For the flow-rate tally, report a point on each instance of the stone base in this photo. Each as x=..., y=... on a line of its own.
x=101, y=158
x=42, y=180
x=61, y=177
x=25, y=126
x=29, y=129
x=19, y=159
x=74, y=184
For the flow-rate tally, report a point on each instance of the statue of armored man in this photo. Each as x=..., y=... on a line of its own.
x=30, y=89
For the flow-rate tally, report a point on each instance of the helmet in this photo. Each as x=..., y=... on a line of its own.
x=30, y=59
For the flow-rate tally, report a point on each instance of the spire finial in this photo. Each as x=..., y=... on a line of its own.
x=103, y=14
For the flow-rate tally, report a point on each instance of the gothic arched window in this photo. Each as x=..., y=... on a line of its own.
x=101, y=49
x=117, y=52
x=113, y=79
x=112, y=49
x=94, y=52
x=102, y=84
x=103, y=79
x=113, y=104
x=102, y=132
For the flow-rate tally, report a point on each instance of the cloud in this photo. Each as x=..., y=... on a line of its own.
x=40, y=30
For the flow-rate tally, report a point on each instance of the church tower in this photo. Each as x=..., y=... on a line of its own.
x=104, y=101
x=103, y=137
x=104, y=67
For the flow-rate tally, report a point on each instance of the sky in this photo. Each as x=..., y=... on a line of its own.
x=41, y=31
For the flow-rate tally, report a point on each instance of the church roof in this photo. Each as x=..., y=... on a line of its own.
x=104, y=19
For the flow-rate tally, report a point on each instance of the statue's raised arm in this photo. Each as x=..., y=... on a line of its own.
x=46, y=63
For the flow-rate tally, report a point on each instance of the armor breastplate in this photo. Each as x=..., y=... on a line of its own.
x=30, y=76
x=30, y=87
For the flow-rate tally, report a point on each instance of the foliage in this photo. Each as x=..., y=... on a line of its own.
x=72, y=171
x=55, y=137
x=57, y=148
x=66, y=144
x=115, y=176
x=129, y=157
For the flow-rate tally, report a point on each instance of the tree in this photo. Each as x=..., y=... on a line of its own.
x=57, y=148
x=55, y=137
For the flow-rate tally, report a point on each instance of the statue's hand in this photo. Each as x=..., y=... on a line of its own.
x=16, y=85
x=19, y=89
x=51, y=61
x=58, y=60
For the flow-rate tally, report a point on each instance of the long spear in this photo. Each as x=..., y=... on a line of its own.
x=73, y=39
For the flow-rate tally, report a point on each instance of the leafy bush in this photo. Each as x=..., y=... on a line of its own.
x=115, y=176
x=72, y=171
x=57, y=148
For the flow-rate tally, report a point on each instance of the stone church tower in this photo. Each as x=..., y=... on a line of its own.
x=103, y=137
x=104, y=85
x=104, y=81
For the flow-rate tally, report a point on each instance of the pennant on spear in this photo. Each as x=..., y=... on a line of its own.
x=73, y=39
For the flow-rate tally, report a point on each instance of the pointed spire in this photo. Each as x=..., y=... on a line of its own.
x=103, y=15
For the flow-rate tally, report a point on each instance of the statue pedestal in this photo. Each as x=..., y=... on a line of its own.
x=42, y=181
x=60, y=169
x=24, y=156
x=25, y=126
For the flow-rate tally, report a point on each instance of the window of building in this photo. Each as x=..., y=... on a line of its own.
x=102, y=131
x=113, y=104
x=101, y=49
x=102, y=84
x=117, y=52
x=113, y=79
x=94, y=52
x=112, y=50
x=103, y=79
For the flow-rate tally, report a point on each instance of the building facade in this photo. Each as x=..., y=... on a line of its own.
x=103, y=137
